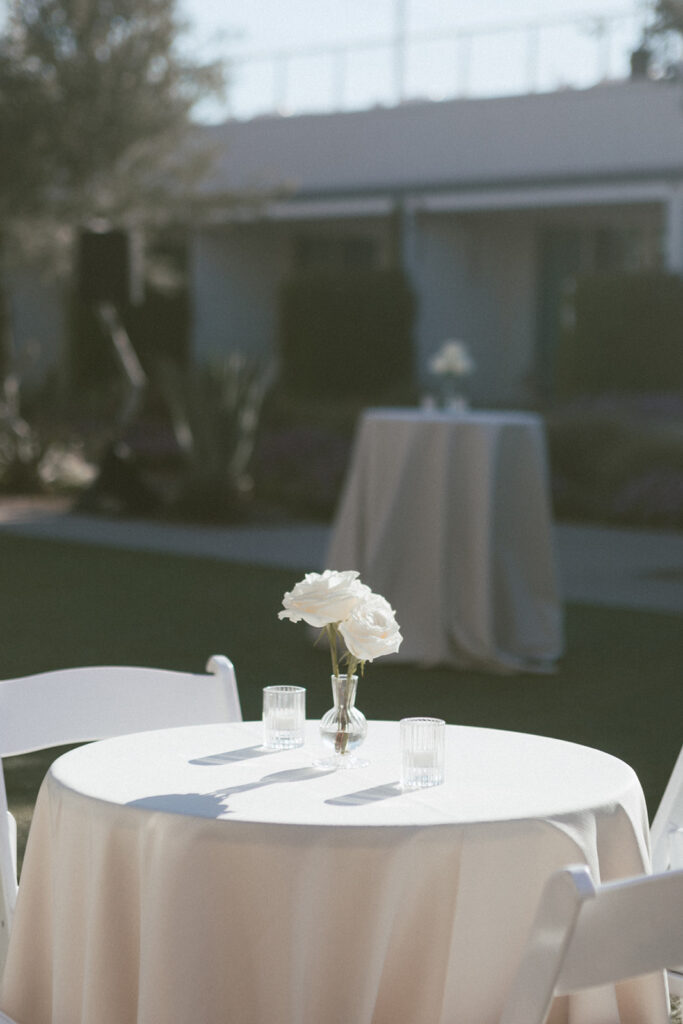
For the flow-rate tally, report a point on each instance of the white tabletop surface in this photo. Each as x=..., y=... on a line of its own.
x=223, y=771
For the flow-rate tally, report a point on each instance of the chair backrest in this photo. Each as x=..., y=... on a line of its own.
x=668, y=815
x=78, y=704
x=586, y=935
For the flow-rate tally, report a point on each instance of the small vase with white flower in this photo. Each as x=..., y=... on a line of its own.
x=360, y=626
x=451, y=364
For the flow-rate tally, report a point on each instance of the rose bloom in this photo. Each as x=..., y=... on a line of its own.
x=323, y=598
x=454, y=358
x=371, y=629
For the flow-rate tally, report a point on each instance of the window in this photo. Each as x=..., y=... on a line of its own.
x=334, y=253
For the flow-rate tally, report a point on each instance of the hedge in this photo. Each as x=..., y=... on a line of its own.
x=346, y=334
x=627, y=335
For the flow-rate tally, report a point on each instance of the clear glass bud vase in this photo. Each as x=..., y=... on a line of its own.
x=343, y=728
x=452, y=395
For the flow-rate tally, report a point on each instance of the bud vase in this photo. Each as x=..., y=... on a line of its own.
x=343, y=728
x=452, y=397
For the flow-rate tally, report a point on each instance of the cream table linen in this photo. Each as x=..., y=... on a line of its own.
x=188, y=876
x=447, y=516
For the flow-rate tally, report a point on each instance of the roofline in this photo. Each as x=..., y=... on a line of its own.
x=406, y=107
x=503, y=194
x=664, y=176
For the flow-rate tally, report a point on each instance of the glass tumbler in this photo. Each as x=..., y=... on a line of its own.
x=422, y=752
x=284, y=716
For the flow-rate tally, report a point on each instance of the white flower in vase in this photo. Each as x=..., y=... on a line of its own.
x=451, y=364
x=321, y=599
x=371, y=629
x=350, y=613
x=360, y=626
x=452, y=360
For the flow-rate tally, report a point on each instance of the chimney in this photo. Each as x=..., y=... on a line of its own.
x=640, y=63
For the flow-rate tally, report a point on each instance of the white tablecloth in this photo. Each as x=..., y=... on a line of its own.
x=448, y=516
x=188, y=875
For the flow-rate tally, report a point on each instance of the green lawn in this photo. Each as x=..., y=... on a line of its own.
x=618, y=687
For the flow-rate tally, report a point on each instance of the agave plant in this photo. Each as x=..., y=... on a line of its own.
x=20, y=447
x=38, y=457
x=215, y=411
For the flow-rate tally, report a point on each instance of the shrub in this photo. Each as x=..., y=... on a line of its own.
x=216, y=412
x=626, y=335
x=346, y=334
x=301, y=469
x=619, y=459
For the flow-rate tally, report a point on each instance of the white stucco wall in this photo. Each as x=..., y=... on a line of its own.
x=37, y=309
x=673, y=232
x=235, y=272
x=475, y=275
x=507, y=253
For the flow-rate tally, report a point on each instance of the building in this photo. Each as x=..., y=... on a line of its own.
x=491, y=206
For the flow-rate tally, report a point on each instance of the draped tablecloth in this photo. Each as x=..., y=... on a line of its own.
x=190, y=875
x=447, y=515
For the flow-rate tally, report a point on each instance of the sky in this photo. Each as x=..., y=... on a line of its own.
x=436, y=64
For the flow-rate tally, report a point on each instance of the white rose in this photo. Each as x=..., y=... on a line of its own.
x=454, y=358
x=322, y=598
x=371, y=629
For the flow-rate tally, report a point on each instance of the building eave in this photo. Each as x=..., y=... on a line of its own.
x=444, y=197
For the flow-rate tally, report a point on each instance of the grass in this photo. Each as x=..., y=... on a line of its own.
x=618, y=687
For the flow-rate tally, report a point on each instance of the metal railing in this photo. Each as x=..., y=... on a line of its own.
x=474, y=60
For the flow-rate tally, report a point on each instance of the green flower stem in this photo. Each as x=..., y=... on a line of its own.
x=352, y=664
x=332, y=636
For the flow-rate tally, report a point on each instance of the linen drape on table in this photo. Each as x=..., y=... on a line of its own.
x=129, y=914
x=449, y=519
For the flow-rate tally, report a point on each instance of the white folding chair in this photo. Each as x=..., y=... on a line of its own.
x=75, y=705
x=586, y=935
x=668, y=817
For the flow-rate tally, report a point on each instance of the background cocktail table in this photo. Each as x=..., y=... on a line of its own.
x=447, y=515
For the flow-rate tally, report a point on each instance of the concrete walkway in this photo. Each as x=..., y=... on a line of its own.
x=620, y=568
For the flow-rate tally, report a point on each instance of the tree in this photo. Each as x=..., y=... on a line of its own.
x=23, y=136
x=96, y=101
x=668, y=16
x=659, y=37
x=95, y=107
